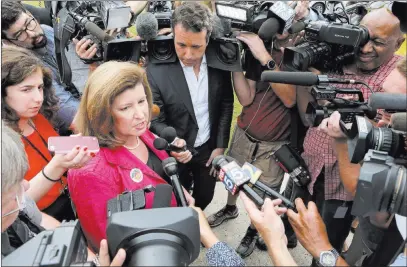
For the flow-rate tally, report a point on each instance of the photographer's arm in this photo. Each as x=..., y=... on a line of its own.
x=348, y=171
x=286, y=92
x=245, y=88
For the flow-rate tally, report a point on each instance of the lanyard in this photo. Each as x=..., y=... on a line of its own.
x=36, y=149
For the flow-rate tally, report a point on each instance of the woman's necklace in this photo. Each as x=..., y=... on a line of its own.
x=132, y=148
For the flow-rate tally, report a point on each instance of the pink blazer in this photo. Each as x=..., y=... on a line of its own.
x=110, y=173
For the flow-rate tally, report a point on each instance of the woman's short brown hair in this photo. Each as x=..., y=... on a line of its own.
x=107, y=82
x=18, y=64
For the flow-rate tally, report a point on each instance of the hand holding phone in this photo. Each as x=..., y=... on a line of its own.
x=64, y=144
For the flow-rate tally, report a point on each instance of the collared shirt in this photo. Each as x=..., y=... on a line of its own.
x=318, y=146
x=68, y=104
x=198, y=88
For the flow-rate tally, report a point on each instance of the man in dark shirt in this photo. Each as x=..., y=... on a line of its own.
x=262, y=128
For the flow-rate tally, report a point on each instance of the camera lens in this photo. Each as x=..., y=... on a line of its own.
x=386, y=140
x=162, y=50
x=393, y=199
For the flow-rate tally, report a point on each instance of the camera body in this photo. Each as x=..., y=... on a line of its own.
x=329, y=46
x=348, y=109
x=64, y=246
x=162, y=11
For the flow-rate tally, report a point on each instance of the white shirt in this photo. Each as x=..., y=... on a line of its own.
x=198, y=88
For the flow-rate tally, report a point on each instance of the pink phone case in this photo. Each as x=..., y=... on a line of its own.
x=64, y=144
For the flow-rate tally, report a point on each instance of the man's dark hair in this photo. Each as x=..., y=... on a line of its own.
x=10, y=12
x=194, y=17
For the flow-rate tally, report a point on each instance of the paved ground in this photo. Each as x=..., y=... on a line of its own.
x=232, y=232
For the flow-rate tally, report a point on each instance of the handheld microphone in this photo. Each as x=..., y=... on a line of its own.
x=301, y=78
x=389, y=102
x=398, y=121
x=147, y=26
x=162, y=196
x=234, y=178
x=162, y=144
x=170, y=167
x=280, y=19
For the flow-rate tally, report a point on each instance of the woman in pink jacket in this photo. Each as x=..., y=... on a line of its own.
x=116, y=108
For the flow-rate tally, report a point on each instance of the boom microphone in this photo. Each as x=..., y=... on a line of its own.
x=92, y=28
x=388, y=102
x=297, y=27
x=147, y=26
x=301, y=78
x=398, y=121
x=284, y=14
x=268, y=29
x=170, y=167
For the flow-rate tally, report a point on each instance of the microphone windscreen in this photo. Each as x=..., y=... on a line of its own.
x=286, y=77
x=388, y=101
x=297, y=27
x=169, y=134
x=268, y=29
x=147, y=26
x=160, y=144
x=162, y=196
x=218, y=29
x=398, y=121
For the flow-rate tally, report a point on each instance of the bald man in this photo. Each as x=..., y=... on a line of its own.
x=373, y=63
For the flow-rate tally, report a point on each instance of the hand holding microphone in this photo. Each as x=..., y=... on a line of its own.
x=175, y=146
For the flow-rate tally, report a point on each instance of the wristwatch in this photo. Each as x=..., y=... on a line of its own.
x=270, y=65
x=328, y=258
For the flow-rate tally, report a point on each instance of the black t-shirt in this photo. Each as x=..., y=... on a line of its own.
x=156, y=165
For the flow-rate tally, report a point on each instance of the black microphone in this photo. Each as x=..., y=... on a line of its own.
x=162, y=196
x=147, y=26
x=301, y=78
x=92, y=28
x=162, y=144
x=170, y=167
x=268, y=29
x=169, y=134
x=297, y=27
x=388, y=101
x=399, y=121
x=221, y=27
x=280, y=19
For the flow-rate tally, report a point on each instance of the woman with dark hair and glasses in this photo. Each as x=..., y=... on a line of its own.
x=28, y=106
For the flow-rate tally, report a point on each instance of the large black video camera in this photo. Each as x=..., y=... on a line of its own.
x=90, y=19
x=348, y=109
x=328, y=46
x=162, y=10
x=64, y=246
x=151, y=237
x=383, y=176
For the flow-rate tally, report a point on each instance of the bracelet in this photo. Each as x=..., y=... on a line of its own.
x=49, y=179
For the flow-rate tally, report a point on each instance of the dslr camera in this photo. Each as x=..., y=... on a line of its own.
x=328, y=46
x=383, y=175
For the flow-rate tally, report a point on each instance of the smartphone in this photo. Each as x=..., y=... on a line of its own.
x=64, y=144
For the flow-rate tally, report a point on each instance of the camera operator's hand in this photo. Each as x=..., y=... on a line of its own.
x=267, y=221
x=183, y=157
x=301, y=10
x=83, y=50
x=256, y=46
x=309, y=228
x=331, y=127
x=104, y=258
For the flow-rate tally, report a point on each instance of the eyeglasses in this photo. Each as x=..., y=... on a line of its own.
x=21, y=203
x=22, y=35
